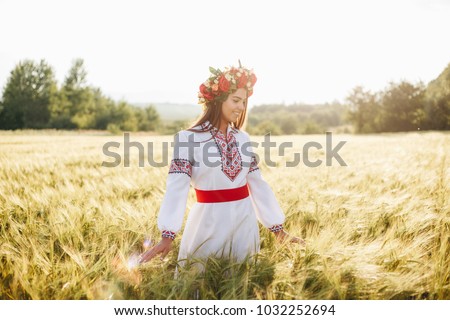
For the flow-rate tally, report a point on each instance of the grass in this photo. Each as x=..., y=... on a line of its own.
x=378, y=228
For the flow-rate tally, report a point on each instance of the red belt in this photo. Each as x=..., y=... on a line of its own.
x=224, y=195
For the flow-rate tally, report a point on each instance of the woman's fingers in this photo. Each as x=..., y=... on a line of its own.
x=164, y=254
x=150, y=254
x=161, y=247
x=283, y=236
x=298, y=240
x=145, y=256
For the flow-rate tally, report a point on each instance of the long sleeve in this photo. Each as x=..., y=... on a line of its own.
x=173, y=206
x=266, y=206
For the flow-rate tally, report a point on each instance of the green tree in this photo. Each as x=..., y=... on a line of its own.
x=29, y=95
x=402, y=106
x=123, y=117
x=289, y=124
x=365, y=110
x=103, y=110
x=296, y=118
x=437, y=102
x=265, y=127
x=60, y=116
x=312, y=127
x=148, y=118
x=78, y=100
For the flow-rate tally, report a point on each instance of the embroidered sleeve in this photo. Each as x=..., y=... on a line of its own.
x=168, y=234
x=276, y=228
x=173, y=205
x=253, y=165
x=181, y=166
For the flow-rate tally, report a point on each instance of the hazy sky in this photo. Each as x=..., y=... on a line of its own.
x=301, y=51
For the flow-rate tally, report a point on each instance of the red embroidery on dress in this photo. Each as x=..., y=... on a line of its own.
x=168, y=234
x=181, y=166
x=206, y=126
x=253, y=165
x=230, y=157
x=276, y=228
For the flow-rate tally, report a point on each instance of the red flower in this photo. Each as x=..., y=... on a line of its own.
x=206, y=93
x=253, y=79
x=224, y=84
x=242, y=82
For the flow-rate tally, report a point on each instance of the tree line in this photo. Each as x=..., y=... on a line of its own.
x=32, y=99
x=402, y=106
x=296, y=118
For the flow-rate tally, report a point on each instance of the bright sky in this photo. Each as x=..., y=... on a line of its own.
x=160, y=51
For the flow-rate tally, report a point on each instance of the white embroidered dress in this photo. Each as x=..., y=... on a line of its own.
x=221, y=229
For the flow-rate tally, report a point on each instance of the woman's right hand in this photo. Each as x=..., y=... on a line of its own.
x=163, y=248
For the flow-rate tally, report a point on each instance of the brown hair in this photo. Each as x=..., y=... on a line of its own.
x=213, y=114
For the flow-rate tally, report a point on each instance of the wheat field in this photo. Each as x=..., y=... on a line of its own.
x=378, y=228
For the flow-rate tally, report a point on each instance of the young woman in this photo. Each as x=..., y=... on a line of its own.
x=215, y=157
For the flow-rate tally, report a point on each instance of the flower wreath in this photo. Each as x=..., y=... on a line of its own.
x=220, y=84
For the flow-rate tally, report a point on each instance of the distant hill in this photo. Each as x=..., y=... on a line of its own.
x=174, y=111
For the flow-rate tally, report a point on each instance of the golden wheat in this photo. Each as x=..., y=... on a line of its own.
x=378, y=228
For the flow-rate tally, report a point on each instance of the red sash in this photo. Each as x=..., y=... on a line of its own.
x=224, y=195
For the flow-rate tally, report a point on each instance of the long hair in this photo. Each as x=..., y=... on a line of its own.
x=213, y=114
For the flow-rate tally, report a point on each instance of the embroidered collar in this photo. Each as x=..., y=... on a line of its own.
x=208, y=126
x=228, y=148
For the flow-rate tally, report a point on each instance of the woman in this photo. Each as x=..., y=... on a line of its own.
x=214, y=156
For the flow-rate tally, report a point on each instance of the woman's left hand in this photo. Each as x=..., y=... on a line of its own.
x=283, y=236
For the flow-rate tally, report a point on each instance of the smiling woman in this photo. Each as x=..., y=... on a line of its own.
x=231, y=197
x=233, y=107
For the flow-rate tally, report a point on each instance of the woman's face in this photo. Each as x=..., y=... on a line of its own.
x=234, y=106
